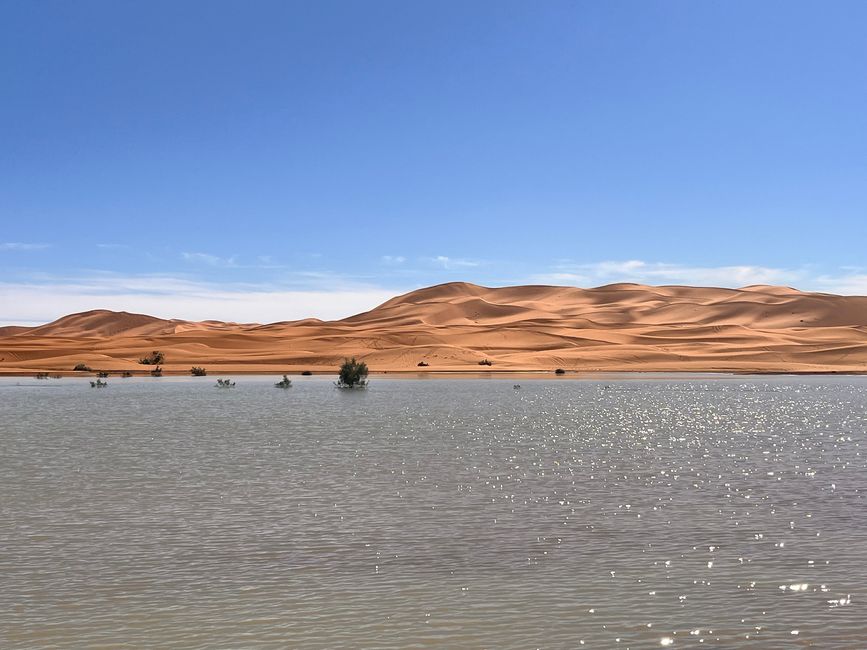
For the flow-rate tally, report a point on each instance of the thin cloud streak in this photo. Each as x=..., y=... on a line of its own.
x=22, y=246
x=451, y=263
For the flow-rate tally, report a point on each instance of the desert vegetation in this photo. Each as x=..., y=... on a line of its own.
x=198, y=371
x=81, y=367
x=155, y=358
x=353, y=374
x=42, y=375
x=486, y=362
x=559, y=371
x=101, y=373
x=99, y=383
x=225, y=383
x=422, y=364
x=125, y=374
x=284, y=383
x=306, y=373
x=157, y=372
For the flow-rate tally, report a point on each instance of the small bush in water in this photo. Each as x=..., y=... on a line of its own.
x=225, y=383
x=284, y=383
x=353, y=374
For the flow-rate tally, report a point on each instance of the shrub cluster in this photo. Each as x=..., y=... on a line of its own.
x=155, y=358
x=197, y=371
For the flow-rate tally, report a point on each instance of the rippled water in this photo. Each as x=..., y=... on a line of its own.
x=725, y=512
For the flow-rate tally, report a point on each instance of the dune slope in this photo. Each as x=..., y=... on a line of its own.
x=619, y=327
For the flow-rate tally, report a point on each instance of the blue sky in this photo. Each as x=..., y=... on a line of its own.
x=261, y=161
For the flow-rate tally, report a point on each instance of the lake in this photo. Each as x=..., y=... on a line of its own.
x=606, y=512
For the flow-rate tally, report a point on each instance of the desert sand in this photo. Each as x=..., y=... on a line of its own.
x=451, y=327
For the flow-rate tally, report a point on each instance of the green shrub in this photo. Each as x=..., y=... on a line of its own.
x=155, y=358
x=284, y=383
x=353, y=374
x=225, y=383
x=197, y=371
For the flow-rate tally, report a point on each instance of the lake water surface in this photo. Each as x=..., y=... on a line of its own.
x=615, y=513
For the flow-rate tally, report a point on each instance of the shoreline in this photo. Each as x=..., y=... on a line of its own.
x=441, y=374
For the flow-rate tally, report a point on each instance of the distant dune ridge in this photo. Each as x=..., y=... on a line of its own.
x=451, y=327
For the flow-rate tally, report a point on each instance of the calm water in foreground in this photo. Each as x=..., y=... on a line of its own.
x=724, y=512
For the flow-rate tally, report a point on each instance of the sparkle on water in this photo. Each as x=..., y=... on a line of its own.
x=694, y=512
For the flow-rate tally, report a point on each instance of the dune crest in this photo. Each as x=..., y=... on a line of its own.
x=453, y=326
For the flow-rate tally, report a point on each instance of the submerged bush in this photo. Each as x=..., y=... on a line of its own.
x=353, y=374
x=101, y=373
x=125, y=374
x=197, y=371
x=157, y=372
x=155, y=358
x=99, y=383
x=82, y=367
x=42, y=375
x=225, y=383
x=284, y=383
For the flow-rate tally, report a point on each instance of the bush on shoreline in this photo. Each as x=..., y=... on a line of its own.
x=198, y=371
x=155, y=358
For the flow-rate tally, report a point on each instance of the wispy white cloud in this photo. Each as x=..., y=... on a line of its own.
x=177, y=297
x=113, y=246
x=667, y=273
x=854, y=284
x=210, y=260
x=392, y=259
x=451, y=263
x=849, y=281
x=22, y=246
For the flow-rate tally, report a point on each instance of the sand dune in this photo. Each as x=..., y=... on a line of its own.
x=618, y=327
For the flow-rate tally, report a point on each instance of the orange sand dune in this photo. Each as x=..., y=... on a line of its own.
x=451, y=327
